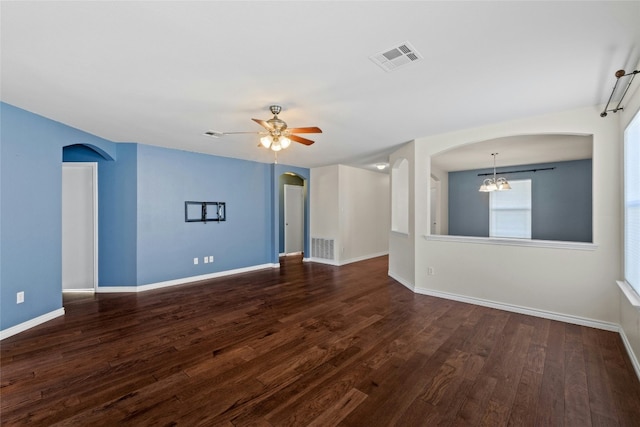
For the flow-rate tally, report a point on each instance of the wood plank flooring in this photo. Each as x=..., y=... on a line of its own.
x=310, y=345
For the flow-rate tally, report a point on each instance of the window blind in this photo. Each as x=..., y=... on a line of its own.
x=510, y=211
x=632, y=204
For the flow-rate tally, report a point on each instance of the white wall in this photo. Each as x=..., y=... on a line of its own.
x=629, y=315
x=351, y=206
x=324, y=204
x=364, y=213
x=576, y=284
x=401, y=246
x=443, y=203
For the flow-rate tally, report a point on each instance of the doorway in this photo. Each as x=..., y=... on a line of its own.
x=293, y=219
x=79, y=226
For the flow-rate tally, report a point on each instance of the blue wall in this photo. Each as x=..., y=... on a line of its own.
x=31, y=209
x=561, y=201
x=167, y=244
x=142, y=235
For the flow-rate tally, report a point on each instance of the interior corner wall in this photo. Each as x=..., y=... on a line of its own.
x=325, y=211
x=402, y=246
x=118, y=218
x=575, y=283
x=31, y=218
x=364, y=200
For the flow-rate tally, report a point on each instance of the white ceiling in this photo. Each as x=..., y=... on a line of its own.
x=162, y=73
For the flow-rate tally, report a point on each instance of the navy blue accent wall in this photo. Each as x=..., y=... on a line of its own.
x=561, y=201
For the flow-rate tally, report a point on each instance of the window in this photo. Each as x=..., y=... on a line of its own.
x=632, y=204
x=510, y=211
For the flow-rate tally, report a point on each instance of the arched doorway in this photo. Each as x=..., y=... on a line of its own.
x=292, y=215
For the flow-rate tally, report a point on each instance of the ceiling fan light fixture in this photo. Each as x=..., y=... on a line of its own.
x=266, y=141
x=284, y=142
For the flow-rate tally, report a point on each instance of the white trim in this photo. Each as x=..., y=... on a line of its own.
x=363, y=257
x=347, y=261
x=400, y=233
x=323, y=261
x=567, y=318
x=175, y=282
x=6, y=333
x=632, y=356
x=553, y=244
x=576, y=320
x=79, y=291
x=402, y=281
x=630, y=293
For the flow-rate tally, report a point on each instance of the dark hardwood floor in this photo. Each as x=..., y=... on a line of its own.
x=310, y=345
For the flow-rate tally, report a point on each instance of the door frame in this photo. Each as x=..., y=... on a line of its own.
x=302, y=220
x=94, y=173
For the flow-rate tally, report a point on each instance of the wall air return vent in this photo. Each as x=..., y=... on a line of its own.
x=396, y=57
x=322, y=248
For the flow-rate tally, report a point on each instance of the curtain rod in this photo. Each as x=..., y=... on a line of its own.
x=526, y=170
x=619, y=74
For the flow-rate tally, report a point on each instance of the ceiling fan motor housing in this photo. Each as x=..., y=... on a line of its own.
x=275, y=109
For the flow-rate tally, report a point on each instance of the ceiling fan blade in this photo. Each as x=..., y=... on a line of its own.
x=237, y=133
x=216, y=134
x=312, y=129
x=300, y=139
x=263, y=123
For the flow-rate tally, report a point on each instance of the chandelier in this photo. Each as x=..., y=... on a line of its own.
x=495, y=183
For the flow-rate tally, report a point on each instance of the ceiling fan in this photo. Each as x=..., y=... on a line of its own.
x=277, y=135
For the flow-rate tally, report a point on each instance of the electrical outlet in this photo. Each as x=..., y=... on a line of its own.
x=206, y=260
x=195, y=261
x=430, y=271
x=211, y=258
x=20, y=297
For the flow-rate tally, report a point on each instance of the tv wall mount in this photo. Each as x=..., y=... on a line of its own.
x=205, y=211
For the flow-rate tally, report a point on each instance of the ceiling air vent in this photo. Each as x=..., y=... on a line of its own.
x=396, y=57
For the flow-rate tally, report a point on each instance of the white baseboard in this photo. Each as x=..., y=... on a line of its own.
x=181, y=281
x=323, y=261
x=347, y=261
x=567, y=318
x=6, y=333
x=632, y=355
x=402, y=281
